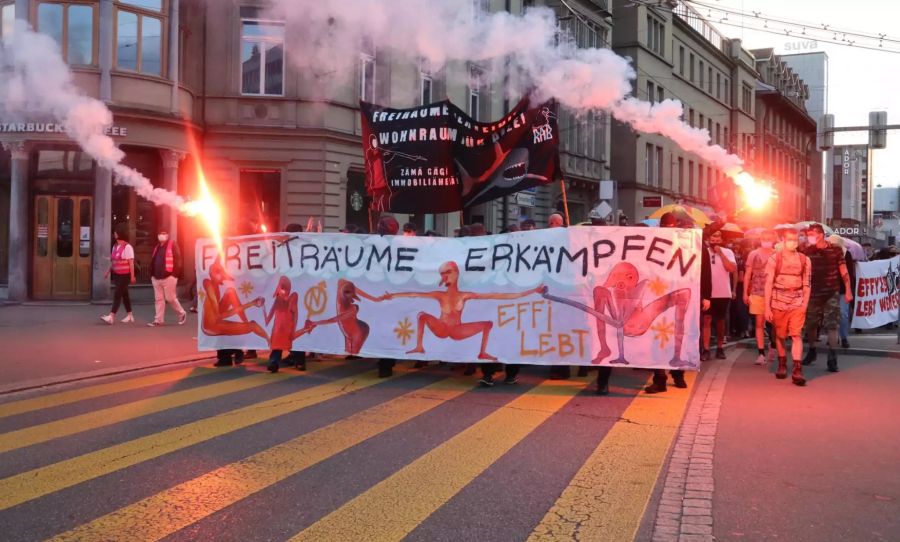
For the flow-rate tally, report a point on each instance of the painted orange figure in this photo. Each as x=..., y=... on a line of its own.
x=219, y=306
x=284, y=311
x=452, y=302
x=355, y=330
x=618, y=303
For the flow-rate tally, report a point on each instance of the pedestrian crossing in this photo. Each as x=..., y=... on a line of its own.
x=188, y=480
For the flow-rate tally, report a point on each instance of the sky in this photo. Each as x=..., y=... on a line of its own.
x=859, y=80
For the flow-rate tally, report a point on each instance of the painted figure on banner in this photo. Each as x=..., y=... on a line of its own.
x=219, y=307
x=452, y=302
x=377, y=159
x=347, y=316
x=284, y=311
x=618, y=302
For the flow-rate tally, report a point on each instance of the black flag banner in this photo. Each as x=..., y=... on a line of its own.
x=435, y=158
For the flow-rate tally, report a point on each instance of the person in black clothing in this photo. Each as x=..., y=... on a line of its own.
x=829, y=271
x=668, y=221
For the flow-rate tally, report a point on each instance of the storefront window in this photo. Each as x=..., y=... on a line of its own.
x=139, y=217
x=7, y=17
x=4, y=212
x=139, y=36
x=84, y=236
x=262, y=55
x=260, y=194
x=43, y=225
x=65, y=215
x=72, y=26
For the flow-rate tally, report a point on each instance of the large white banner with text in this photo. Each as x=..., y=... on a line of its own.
x=567, y=296
x=877, y=293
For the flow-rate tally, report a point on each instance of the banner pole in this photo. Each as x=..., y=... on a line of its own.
x=562, y=185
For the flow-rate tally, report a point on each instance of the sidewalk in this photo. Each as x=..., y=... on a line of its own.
x=46, y=343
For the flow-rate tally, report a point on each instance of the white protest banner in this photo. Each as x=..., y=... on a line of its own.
x=568, y=296
x=877, y=293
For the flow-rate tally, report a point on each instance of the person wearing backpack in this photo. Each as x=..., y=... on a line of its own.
x=787, y=298
x=755, y=294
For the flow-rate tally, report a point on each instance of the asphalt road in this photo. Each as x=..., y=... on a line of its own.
x=45, y=342
x=198, y=453
x=818, y=463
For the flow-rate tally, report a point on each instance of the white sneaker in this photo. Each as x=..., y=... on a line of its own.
x=108, y=318
x=129, y=319
x=760, y=360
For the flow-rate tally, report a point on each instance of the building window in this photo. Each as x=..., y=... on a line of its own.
x=709, y=181
x=260, y=196
x=70, y=25
x=262, y=55
x=701, y=123
x=475, y=93
x=7, y=18
x=747, y=99
x=690, y=189
x=680, y=175
x=701, y=75
x=139, y=36
x=648, y=165
x=367, y=72
x=656, y=33
x=651, y=91
x=660, y=94
x=718, y=134
x=700, y=186
x=709, y=124
x=718, y=86
x=426, y=86
x=659, y=166
x=726, y=141
x=692, y=67
x=691, y=118
x=727, y=95
x=681, y=60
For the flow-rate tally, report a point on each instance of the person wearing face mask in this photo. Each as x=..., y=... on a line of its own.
x=755, y=293
x=828, y=272
x=121, y=269
x=786, y=300
x=165, y=266
x=722, y=265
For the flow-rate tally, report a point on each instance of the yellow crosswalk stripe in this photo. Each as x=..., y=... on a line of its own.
x=42, y=481
x=92, y=392
x=607, y=497
x=394, y=507
x=44, y=432
x=166, y=512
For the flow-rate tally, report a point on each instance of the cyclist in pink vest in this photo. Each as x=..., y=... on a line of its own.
x=122, y=271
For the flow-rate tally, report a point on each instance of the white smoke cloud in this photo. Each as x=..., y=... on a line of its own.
x=36, y=84
x=525, y=50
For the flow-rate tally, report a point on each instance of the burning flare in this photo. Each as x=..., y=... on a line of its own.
x=756, y=194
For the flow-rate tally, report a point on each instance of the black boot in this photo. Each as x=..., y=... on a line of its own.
x=810, y=356
x=602, y=387
x=832, y=361
x=583, y=371
x=678, y=377
x=223, y=358
x=385, y=368
x=238, y=357
x=781, y=372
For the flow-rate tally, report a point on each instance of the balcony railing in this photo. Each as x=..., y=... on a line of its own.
x=696, y=21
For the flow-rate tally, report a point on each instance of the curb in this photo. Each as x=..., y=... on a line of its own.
x=867, y=352
x=90, y=375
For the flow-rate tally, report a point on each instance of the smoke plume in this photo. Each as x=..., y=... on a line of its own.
x=37, y=84
x=526, y=52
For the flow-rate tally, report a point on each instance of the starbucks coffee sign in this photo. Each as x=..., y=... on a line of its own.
x=51, y=128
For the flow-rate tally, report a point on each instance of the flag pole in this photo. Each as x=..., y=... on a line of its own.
x=562, y=185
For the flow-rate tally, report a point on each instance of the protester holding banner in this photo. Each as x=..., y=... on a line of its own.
x=846, y=306
x=755, y=294
x=828, y=272
x=787, y=298
x=659, y=383
x=722, y=265
x=561, y=372
x=387, y=225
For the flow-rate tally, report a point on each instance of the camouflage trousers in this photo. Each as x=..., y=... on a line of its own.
x=824, y=313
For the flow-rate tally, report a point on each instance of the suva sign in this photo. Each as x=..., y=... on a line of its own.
x=801, y=45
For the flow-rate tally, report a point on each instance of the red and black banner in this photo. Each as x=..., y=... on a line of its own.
x=436, y=159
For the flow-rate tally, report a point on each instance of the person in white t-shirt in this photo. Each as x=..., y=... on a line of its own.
x=122, y=271
x=722, y=265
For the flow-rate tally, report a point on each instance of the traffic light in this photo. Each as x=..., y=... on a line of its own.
x=877, y=138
